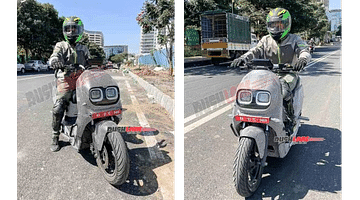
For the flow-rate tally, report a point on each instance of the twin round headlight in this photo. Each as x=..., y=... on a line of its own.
x=262, y=98
x=96, y=94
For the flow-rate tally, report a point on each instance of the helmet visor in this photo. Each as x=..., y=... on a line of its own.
x=72, y=30
x=277, y=26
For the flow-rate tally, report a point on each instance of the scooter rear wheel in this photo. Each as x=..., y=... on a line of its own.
x=247, y=167
x=113, y=159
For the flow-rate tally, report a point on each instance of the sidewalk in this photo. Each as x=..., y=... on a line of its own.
x=165, y=100
x=152, y=165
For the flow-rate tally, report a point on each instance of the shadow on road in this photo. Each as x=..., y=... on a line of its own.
x=324, y=69
x=312, y=166
x=142, y=180
x=214, y=70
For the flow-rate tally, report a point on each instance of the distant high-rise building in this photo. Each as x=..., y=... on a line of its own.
x=96, y=37
x=147, y=41
x=334, y=17
x=115, y=49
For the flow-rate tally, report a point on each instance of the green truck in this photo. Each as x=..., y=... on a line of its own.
x=225, y=35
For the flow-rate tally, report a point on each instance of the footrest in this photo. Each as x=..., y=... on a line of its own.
x=304, y=118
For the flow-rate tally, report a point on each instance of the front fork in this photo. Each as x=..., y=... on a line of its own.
x=266, y=132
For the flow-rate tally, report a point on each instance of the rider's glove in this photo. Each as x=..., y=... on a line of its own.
x=300, y=64
x=56, y=63
x=238, y=62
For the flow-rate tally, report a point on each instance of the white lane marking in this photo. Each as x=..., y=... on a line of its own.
x=203, y=112
x=149, y=139
x=33, y=77
x=320, y=59
x=222, y=110
x=207, y=118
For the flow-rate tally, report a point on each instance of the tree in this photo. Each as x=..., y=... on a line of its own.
x=320, y=24
x=306, y=15
x=97, y=53
x=338, y=33
x=194, y=8
x=119, y=58
x=38, y=27
x=159, y=14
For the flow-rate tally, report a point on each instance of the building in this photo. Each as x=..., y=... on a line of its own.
x=334, y=17
x=147, y=41
x=96, y=37
x=115, y=49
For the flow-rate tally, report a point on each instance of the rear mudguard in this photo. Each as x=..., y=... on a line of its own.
x=101, y=129
x=258, y=134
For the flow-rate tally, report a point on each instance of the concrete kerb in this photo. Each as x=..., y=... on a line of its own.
x=164, y=100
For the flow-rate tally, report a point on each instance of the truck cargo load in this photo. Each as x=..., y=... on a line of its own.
x=224, y=35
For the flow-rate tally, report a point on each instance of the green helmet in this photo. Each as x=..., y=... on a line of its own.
x=278, y=23
x=73, y=29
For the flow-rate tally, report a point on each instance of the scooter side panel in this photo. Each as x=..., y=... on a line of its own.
x=298, y=99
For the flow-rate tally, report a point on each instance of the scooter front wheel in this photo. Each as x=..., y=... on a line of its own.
x=247, y=167
x=113, y=159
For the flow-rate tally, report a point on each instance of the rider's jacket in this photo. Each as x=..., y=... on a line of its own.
x=288, y=51
x=71, y=55
x=66, y=78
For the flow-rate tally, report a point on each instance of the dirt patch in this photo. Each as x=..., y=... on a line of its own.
x=161, y=79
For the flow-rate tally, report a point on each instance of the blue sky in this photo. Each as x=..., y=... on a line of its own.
x=334, y=4
x=115, y=19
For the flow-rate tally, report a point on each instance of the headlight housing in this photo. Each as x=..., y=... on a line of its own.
x=244, y=97
x=104, y=96
x=253, y=98
x=111, y=93
x=96, y=95
x=263, y=98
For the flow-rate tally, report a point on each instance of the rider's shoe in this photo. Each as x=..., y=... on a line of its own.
x=55, y=144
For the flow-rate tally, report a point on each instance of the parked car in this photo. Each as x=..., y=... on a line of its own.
x=49, y=66
x=36, y=65
x=109, y=65
x=20, y=68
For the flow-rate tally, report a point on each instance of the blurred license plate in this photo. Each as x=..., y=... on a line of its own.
x=262, y=120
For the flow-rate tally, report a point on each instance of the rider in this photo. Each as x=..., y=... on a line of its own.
x=68, y=52
x=280, y=46
x=312, y=42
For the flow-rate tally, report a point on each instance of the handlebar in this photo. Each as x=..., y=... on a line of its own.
x=73, y=66
x=266, y=64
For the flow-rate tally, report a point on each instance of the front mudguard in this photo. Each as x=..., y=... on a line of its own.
x=101, y=129
x=258, y=134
